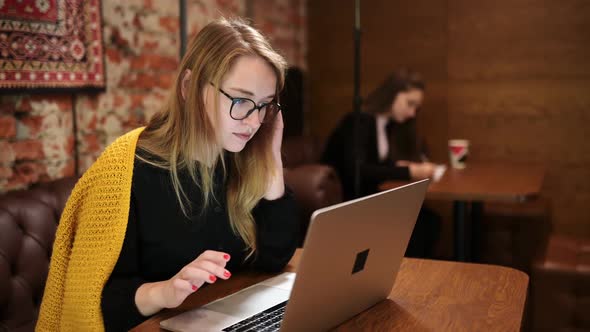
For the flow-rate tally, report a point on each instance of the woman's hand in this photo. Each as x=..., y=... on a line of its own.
x=276, y=187
x=152, y=297
x=418, y=171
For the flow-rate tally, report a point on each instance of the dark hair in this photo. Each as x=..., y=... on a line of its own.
x=383, y=96
x=403, y=140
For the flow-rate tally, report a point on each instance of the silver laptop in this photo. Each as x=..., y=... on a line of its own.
x=351, y=257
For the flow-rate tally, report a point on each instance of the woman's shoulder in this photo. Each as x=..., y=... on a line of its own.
x=364, y=117
x=366, y=120
x=148, y=164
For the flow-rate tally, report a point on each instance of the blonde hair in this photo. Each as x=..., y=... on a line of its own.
x=184, y=132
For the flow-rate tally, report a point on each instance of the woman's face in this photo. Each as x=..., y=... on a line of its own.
x=406, y=104
x=250, y=77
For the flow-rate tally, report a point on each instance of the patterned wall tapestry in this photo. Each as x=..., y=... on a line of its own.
x=51, y=44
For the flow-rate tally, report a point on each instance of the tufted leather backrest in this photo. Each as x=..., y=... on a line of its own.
x=314, y=185
x=28, y=221
x=300, y=150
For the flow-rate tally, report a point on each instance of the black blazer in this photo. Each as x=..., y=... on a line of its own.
x=339, y=153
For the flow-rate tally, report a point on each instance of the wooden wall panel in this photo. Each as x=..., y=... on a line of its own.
x=433, y=119
x=330, y=61
x=397, y=34
x=538, y=121
x=512, y=39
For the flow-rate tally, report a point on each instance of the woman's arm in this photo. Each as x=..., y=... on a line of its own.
x=278, y=232
x=118, y=295
x=276, y=215
x=127, y=299
x=207, y=268
x=276, y=187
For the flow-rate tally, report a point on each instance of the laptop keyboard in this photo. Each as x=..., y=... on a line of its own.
x=267, y=320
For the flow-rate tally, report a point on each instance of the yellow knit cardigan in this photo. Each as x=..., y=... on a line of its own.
x=88, y=241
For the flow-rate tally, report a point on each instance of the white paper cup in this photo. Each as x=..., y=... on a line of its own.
x=458, y=152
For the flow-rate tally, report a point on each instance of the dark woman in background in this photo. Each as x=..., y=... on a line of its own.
x=389, y=149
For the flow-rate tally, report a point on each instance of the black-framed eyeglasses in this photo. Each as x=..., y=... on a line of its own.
x=241, y=108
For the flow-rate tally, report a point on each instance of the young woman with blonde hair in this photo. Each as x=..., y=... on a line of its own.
x=194, y=196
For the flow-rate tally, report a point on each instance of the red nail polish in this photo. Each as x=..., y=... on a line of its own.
x=226, y=274
x=195, y=288
x=226, y=257
x=212, y=278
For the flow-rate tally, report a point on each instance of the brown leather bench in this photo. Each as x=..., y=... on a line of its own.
x=561, y=286
x=28, y=220
x=514, y=234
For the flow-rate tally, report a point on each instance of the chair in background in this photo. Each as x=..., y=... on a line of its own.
x=314, y=185
x=514, y=234
x=560, y=283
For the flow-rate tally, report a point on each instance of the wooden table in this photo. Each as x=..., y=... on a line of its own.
x=428, y=295
x=476, y=184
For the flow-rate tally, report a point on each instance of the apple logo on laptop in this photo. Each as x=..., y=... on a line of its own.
x=359, y=262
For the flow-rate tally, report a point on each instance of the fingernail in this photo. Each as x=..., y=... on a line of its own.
x=212, y=278
x=226, y=274
x=195, y=288
x=226, y=257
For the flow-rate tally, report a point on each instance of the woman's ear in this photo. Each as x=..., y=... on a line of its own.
x=184, y=83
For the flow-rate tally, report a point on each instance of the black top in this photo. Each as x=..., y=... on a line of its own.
x=340, y=154
x=160, y=240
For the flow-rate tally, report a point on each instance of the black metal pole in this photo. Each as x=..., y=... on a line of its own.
x=75, y=134
x=182, y=22
x=357, y=97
